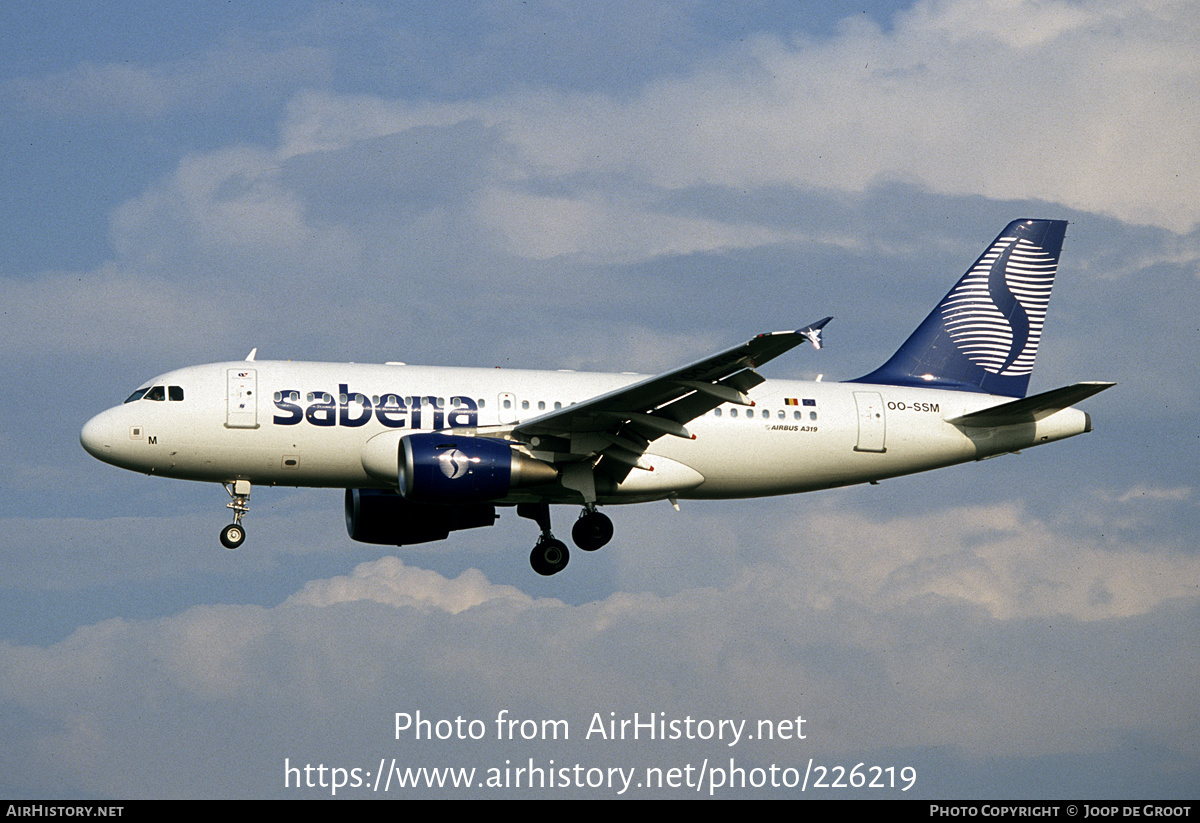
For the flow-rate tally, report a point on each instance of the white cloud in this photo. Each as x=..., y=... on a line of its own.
x=998, y=558
x=325, y=671
x=226, y=209
x=1090, y=105
x=608, y=229
x=1143, y=492
x=390, y=582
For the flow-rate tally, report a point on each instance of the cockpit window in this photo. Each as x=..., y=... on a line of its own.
x=174, y=393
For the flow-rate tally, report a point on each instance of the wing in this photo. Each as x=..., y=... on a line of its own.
x=615, y=429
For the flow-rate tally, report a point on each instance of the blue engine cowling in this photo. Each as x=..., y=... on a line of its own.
x=446, y=468
x=386, y=518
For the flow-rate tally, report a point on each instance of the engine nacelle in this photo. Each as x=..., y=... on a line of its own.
x=447, y=468
x=386, y=518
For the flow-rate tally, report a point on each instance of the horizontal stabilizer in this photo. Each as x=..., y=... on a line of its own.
x=1031, y=409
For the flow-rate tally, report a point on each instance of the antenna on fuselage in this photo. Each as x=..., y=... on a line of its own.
x=253, y=352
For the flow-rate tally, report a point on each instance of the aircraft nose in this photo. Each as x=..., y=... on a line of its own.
x=96, y=437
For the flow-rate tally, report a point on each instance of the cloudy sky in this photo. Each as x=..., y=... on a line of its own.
x=620, y=186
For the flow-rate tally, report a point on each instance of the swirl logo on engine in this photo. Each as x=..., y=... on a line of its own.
x=454, y=463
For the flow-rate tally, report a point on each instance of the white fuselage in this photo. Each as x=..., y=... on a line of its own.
x=337, y=425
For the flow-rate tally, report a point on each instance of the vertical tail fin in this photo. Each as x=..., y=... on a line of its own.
x=984, y=334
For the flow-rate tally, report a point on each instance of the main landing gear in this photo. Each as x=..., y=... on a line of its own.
x=592, y=530
x=234, y=534
x=550, y=556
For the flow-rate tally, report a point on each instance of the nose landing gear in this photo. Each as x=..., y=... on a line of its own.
x=234, y=534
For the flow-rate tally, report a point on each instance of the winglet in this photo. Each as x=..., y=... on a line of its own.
x=812, y=332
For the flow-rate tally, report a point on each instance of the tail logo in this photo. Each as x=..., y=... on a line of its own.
x=996, y=312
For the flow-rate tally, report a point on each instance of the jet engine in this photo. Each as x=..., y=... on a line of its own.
x=446, y=468
x=384, y=517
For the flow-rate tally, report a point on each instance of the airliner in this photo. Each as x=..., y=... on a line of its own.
x=425, y=451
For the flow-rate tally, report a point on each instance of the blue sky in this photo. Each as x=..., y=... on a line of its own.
x=624, y=187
